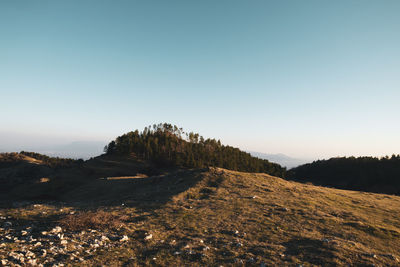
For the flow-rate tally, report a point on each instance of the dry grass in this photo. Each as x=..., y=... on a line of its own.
x=92, y=220
x=138, y=176
x=219, y=217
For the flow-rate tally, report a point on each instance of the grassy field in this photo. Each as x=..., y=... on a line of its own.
x=209, y=217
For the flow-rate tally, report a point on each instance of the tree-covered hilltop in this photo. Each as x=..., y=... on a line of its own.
x=381, y=175
x=168, y=145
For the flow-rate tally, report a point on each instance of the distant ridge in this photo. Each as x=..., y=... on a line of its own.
x=281, y=159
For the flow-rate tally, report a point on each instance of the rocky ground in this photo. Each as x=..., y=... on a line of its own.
x=34, y=243
x=204, y=218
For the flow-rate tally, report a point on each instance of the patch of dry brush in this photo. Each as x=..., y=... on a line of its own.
x=99, y=219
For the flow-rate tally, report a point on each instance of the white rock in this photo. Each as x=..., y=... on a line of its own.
x=124, y=238
x=64, y=242
x=30, y=254
x=56, y=230
x=148, y=237
x=104, y=238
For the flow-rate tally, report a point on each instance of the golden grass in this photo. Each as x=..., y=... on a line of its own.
x=233, y=218
x=138, y=176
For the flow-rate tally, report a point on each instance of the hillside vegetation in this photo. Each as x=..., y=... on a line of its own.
x=381, y=175
x=168, y=145
x=204, y=217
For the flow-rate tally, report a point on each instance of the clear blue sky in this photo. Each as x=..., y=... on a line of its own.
x=304, y=78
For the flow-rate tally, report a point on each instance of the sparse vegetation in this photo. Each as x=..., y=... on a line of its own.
x=54, y=162
x=210, y=217
x=99, y=219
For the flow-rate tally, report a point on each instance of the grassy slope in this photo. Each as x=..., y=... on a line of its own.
x=194, y=215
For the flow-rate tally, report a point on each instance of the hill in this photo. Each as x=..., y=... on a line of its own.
x=33, y=176
x=380, y=175
x=168, y=145
x=205, y=217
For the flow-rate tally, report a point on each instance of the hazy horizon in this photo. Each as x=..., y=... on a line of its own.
x=308, y=79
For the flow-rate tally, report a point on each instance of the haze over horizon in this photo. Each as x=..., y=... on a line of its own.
x=307, y=79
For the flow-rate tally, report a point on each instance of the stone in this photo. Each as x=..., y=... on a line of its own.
x=124, y=238
x=56, y=230
x=30, y=254
x=64, y=242
x=148, y=237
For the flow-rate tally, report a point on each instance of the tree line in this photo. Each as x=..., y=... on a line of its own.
x=168, y=145
x=380, y=175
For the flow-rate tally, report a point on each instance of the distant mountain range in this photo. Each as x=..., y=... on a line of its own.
x=281, y=159
x=76, y=150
